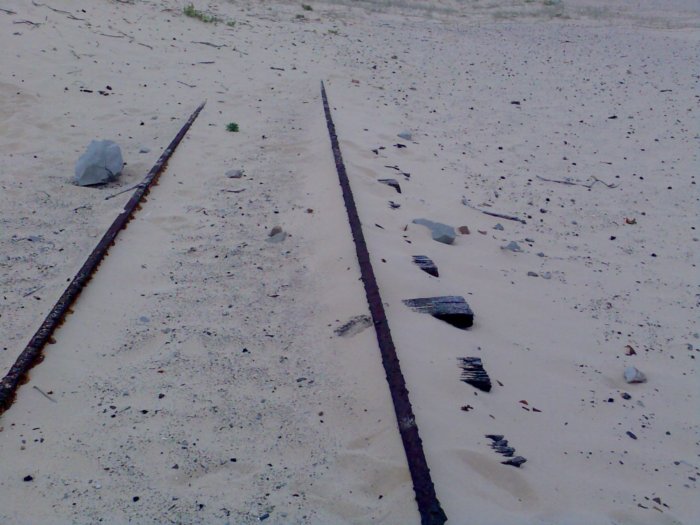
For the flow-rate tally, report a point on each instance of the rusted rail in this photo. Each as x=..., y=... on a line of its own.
x=428, y=505
x=32, y=354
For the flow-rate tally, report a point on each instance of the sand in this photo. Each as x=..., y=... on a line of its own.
x=199, y=379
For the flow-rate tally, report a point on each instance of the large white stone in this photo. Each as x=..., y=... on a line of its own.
x=102, y=162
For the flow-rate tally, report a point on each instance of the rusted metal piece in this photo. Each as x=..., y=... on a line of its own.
x=428, y=505
x=32, y=354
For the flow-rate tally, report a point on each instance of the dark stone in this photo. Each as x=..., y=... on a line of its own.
x=630, y=434
x=426, y=264
x=28, y=478
x=451, y=308
x=354, y=326
x=494, y=437
x=473, y=373
x=515, y=462
x=391, y=182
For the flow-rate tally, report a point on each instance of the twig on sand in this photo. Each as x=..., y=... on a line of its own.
x=44, y=394
x=466, y=202
x=217, y=46
x=185, y=84
x=67, y=13
x=33, y=290
x=139, y=185
x=7, y=11
x=579, y=183
x=28, y=22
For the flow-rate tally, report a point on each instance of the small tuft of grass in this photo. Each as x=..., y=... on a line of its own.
x=307, y=7
x=231, y=23
x=192, y=12
x=232, y=127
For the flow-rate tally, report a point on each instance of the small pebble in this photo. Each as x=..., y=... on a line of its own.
x=234, y=174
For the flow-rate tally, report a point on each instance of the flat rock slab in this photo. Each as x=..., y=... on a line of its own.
x=391, y=182
x=450, y=308
x=426, y=264
x=473, y=373
x=441, y=232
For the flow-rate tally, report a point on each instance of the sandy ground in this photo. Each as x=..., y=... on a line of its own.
x=199, y=379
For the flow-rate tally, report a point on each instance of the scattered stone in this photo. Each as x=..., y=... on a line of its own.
x=515, y=462
x=426, y=264
x=629, y=350
x=499, y=227
x=234, y=174
x=464, y=230
x=502, y=448
x=144, y=149
x=354, y=326
x=546, y=275
x=473, y=373
x=632, y=375
x=277, y=234
x=391, y=182
x=406, y=135
x=533, y=274
x=102, y=162
x=631, y=434
x=394, y=205
x=451, y=309
x=626, y=396
x=513, y=247
x=541, y=254
x=494, y=437
x=28, y=478
x=440, y=232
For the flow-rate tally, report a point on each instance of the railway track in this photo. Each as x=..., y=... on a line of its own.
x=32, y=353
x=429, y=507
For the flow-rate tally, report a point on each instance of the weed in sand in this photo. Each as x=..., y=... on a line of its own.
x=192, y=12
x=232, y=127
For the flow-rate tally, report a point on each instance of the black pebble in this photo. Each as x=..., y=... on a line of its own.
x=28, y=478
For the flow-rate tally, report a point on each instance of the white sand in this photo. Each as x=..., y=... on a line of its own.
x=192, y=282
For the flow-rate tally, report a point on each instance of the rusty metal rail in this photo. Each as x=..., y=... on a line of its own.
x=428, y=505
x=32, y=354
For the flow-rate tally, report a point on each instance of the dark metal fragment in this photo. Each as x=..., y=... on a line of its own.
x=450, y=308
x=426, y=264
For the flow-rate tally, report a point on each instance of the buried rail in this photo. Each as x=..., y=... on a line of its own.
x=428, y=505
x=32, y=353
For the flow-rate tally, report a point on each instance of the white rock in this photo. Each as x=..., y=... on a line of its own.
x=102, y=162
x=632, y=375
